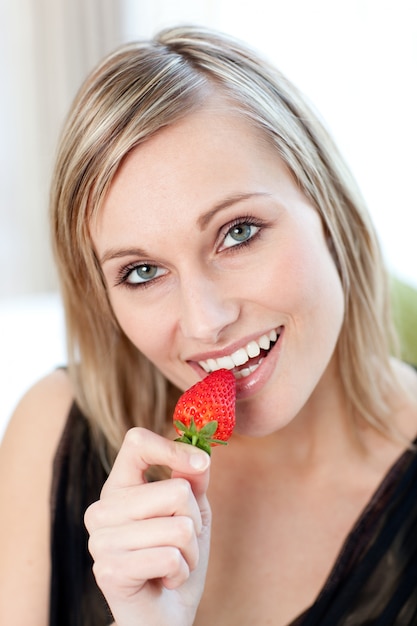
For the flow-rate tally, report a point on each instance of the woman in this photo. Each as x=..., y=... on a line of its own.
x=200, y=210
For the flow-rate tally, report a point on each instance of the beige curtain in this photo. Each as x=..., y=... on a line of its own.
x=46, y=49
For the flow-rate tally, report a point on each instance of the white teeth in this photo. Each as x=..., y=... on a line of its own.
x=225, y=362
x=241, y=356
x=253, y=349
x=247, y=370
x=212, y=363
x=243, y=373
x=264, y=342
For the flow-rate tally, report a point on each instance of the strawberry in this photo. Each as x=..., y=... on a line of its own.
x=205, y=413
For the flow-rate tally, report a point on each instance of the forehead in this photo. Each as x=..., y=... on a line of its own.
x=183, y=171
x=198, y=147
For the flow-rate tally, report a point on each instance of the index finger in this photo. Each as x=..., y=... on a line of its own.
x=141, y=449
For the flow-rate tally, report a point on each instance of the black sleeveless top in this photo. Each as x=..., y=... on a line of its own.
x=373, y=581
x=78, y=476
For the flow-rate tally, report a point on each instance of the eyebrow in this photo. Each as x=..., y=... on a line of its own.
x=113, y=253
x=204, y=220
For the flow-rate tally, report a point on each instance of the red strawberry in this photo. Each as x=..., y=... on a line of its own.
x=205, y=413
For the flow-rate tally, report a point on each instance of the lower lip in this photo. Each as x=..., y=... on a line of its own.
x=251, y=384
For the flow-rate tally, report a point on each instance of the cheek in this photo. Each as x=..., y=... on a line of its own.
x=307, y=282
x=145, y=328
x=322, y=303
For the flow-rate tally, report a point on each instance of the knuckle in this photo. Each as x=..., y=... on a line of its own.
x=136, y=436
x=182, y=491
x=173, y=559
x=90, y=516
x=184, y=530
x=96, y=544
x=106, y=576
x=95, y=516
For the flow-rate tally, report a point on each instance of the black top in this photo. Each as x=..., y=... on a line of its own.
x=373, y=582
x=78, y=477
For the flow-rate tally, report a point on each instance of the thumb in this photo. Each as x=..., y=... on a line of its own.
x=199, y=474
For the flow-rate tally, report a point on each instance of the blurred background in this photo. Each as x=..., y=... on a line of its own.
x=355, y=59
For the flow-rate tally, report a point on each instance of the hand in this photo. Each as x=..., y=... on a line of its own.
x=150, y=541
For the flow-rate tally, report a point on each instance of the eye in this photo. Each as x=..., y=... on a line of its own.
x=140, y=274
x=240, y=233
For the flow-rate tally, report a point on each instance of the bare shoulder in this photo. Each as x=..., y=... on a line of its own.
x=49, y=393
x=38, y=420
x=26, y=457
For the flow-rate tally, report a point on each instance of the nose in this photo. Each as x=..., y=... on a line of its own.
x=207, y=308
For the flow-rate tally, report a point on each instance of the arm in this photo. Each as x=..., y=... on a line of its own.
x=26, y=456
x=150, y=541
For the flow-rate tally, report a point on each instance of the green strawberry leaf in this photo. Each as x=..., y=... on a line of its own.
x=209, y=429
x=182, y=427
x=203, y=445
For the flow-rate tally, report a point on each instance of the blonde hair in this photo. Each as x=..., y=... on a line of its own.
x=133, y=93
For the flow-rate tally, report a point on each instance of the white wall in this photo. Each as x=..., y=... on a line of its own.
x=32, y=344
x=46, y=49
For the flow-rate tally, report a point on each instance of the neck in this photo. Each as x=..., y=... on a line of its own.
x=320, y=436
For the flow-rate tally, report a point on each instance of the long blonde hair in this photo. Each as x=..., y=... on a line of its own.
x=137, y=90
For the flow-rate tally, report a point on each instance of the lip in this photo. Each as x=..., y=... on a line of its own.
x=226, y=351
x=252, y=383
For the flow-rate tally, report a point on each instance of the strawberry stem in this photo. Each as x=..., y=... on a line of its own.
x=202, y=438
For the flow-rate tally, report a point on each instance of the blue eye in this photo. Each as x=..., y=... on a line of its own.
x=240, y=233
x=142, y=273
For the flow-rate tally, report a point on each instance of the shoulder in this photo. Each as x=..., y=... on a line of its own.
x=38, y=420
x=53, y=392
x=26, y=458
x=36, y=426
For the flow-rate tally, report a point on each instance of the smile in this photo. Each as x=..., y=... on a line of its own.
x=246, y=360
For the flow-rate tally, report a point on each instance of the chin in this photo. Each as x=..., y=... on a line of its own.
x=258, y=430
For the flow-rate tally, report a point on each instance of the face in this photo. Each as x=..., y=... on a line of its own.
x=214, y=258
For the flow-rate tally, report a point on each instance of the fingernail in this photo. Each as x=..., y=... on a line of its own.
x=199, y=461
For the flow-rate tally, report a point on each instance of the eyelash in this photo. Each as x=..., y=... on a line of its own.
x=124, y=273
x=248, y=220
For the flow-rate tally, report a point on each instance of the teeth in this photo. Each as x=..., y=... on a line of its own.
x=212, y=365
x=247, y=370
x=264, y=341
x=253, y=349
x=225, y=362
x=241, y=356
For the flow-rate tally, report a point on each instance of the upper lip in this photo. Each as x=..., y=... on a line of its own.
x=230, y=349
